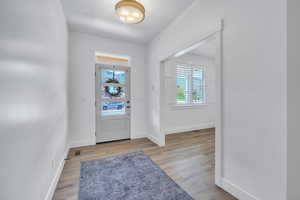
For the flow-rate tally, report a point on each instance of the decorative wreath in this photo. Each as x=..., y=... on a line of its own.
x=112, y=90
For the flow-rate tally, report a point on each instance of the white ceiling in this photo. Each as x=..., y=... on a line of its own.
x=98, y=17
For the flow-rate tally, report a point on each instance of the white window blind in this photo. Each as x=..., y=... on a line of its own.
x=190, y=85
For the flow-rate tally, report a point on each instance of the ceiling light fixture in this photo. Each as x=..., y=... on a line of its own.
x=130, y=11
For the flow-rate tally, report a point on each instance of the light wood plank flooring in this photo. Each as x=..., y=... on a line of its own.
x=188, y=158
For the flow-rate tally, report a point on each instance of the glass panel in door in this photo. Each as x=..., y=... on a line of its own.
x=114, y=93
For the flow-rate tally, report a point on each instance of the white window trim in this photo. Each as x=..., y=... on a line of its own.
x=179, y=106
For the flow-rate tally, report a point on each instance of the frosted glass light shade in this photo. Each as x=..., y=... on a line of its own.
x=130, y=11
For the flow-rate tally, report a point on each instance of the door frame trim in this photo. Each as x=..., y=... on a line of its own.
x=95, y=100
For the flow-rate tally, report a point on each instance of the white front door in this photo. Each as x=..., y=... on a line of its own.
x=112, y=103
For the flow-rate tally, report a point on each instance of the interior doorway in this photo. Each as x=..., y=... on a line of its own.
x=112, y=91
x=193, y=88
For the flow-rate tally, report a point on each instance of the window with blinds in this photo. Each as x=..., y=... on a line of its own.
x=190, y=88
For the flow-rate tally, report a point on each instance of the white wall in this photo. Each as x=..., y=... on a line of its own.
x=180, y=119
x=254, y=89
x=255, y=97
x=82, y=49
x=293, y=71
x=33, y=95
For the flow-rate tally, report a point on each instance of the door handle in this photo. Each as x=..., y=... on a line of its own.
x=128, y=107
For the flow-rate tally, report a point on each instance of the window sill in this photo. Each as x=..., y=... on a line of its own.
x=187, y=106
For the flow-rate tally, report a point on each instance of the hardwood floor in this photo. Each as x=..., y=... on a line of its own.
x=188, y=158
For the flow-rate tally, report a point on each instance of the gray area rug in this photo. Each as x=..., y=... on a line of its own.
x=133, y=176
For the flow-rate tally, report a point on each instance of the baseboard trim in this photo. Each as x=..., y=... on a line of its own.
x=51, y=190
x=236, y=191
x=154, y=140
x=74, y=144
x=143, y=135
x=189, y=128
